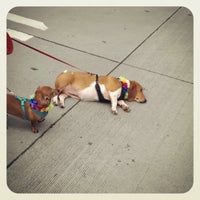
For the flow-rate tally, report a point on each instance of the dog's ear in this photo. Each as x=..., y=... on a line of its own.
x=132, y=91
x=39, y=87
x=38, y=94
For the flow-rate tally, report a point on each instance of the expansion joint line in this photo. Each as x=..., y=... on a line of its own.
x=149, y=36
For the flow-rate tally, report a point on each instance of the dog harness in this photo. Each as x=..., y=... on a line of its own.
x=23, y=101
x=124, y=92
x=42, y=112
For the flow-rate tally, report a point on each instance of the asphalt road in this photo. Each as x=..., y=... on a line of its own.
x=83, y=148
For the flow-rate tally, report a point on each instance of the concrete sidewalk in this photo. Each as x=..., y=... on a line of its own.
x=84, y=148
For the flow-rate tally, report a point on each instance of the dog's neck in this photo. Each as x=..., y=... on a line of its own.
x=34, y=105
x=125, y=86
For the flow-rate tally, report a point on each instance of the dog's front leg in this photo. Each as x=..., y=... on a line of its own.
x=113, y=99
x=33, y=127
x=124, y=106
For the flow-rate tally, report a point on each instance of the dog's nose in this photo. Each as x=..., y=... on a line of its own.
x=143, y=101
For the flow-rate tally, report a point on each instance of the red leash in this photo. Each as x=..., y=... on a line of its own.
x=46, y=54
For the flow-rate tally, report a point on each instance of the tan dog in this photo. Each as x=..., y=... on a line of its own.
x=34, y=109
x=91, y=87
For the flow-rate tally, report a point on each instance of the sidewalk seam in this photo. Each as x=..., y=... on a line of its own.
x=159, y=73
x=149, y=36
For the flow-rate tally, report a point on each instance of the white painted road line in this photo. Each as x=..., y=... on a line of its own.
x=27, y=21
x=19, y=35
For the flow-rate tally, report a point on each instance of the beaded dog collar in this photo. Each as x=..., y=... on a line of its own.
x=34, y=105
x=124, y=82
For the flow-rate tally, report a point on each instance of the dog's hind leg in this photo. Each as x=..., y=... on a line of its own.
x=62, y=97
x=60, y=100
x=55, y=100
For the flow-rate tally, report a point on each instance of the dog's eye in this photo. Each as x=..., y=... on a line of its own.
x=47, y=98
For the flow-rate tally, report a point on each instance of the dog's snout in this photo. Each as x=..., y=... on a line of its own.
x=143, y=101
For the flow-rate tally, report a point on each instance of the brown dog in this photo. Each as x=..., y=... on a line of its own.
x=34, y=109
x=91, y=87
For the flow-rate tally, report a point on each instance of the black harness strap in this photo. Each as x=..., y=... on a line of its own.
x=98, y=89
x=100, y=95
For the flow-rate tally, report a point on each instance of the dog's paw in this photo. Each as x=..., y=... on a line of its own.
x=41, y=120
x=55, y=104
x=127, y=109
x=62, y=106
x=35, y=130
x=114, y=112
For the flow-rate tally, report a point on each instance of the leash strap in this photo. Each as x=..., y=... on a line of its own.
x=46, y=54
x=9, y=90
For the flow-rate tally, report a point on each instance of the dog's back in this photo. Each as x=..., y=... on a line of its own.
x=13, y=106
x=81, y=80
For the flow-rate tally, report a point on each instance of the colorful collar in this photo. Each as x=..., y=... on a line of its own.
x=34, y=105
x=124, y=82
